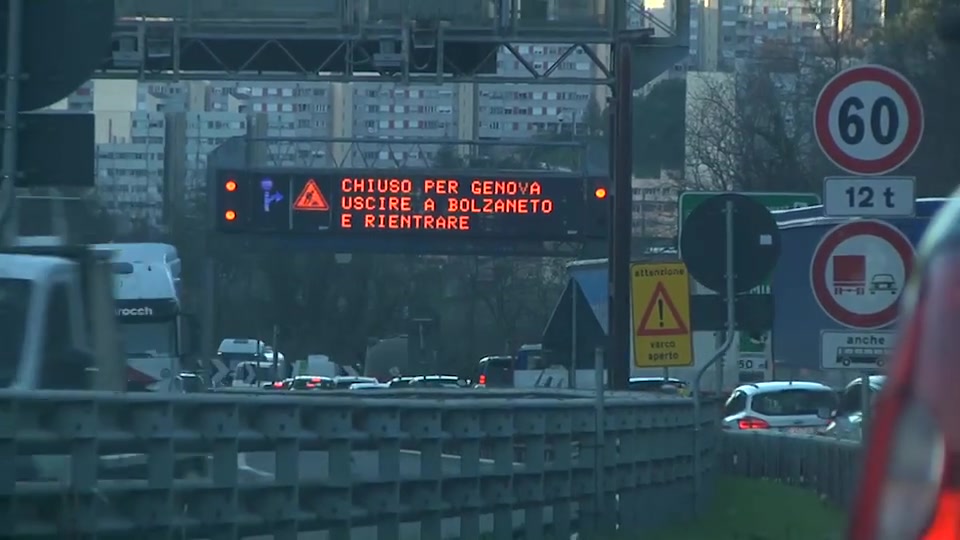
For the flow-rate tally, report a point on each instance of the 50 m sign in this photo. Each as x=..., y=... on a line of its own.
x=868, y=120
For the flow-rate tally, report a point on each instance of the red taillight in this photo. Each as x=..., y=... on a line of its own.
x=482, y=380
x=278, y=385
x=750, y=422
x=311, y=385
x=902, y=492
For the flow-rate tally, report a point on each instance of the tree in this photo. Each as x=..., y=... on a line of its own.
x=752, y=129
x=447, y=156
x=658, y=128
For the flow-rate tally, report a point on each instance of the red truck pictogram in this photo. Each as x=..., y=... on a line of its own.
x=849, y=274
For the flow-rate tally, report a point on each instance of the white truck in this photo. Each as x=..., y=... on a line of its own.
x=57, y=318
x=155, y=333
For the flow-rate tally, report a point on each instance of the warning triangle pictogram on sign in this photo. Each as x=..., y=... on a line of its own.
x=661, y=317
x=311, y=199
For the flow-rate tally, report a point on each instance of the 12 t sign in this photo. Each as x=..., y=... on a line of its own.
x=868, y=120
x=868, y=197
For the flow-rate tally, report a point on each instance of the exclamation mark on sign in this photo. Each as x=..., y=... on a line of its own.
x=660, y=309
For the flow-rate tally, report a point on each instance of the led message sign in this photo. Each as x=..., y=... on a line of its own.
x=546, y=206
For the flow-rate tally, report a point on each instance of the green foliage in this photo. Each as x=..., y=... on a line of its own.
x=756, y=509
x=658, y=128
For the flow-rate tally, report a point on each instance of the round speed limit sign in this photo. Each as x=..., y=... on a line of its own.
x=868, y=120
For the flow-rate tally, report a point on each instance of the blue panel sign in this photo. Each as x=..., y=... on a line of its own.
x=836, y=287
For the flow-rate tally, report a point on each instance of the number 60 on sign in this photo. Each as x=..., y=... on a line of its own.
x=868, y=120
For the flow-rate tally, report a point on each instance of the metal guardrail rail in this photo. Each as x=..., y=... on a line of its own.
x=827, y=465
x=342, y=460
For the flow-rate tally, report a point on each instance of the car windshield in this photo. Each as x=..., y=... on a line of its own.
x=794, y=402
x=14, y=302
x=149, y=339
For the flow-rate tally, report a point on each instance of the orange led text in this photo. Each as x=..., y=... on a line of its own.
x=434, y=203
x=385, y=186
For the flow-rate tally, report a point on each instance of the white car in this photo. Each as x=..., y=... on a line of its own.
x=791, y=406
x=368, y=386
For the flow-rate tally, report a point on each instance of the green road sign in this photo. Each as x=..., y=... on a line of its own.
x=773, y=201
x=753, y=342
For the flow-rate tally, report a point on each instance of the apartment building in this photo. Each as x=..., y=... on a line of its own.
x=725, y=31
x=654, y=206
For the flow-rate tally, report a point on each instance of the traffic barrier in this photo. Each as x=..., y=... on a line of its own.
x=385, y=466
x=827, y=465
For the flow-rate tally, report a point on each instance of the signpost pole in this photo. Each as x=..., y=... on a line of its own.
x=575, y=291
x=720, y=340
x=724, y=347
x=865, y=404
x=599, y=454
x=8, y=204
x=621, y=230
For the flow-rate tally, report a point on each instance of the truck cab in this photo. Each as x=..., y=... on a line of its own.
x=156, y=335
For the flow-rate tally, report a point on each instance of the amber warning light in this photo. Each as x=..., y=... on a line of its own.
x=600, y=193
x=230, y=215
x=231, y=185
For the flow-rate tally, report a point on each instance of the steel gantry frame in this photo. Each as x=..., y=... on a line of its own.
x=404, y=41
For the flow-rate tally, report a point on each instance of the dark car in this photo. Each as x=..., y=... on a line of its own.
x=344, y=383
x=308, y=382
x=279, y=385
x=192, y=382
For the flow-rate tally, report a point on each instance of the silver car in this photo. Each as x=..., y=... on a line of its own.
x=791, y=406
x=846, y=423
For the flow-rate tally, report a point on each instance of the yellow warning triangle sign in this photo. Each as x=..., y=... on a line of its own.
x=661, y=317
x=310, y=199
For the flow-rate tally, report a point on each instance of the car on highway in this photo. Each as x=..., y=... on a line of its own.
x=436, y=381
x=791, y=406
x=909, y=487
x=657, y=384
x=310, y=382
x=285, y=384
x=369, y=386
x=846, y=421
x=344, y=382
x=399, y=382
x=192, y=382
